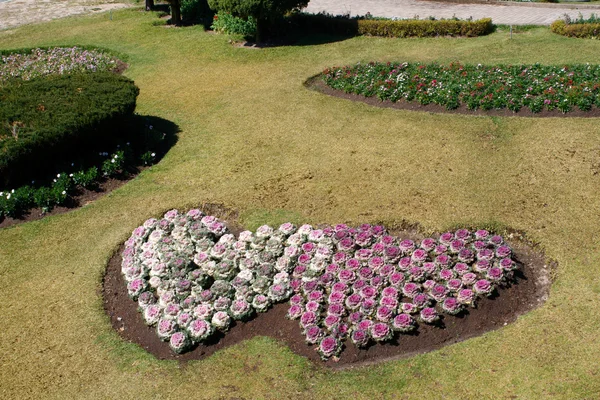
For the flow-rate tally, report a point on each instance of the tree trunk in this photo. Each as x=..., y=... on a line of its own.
x=262, y=25
x=175, y=12
x=149, y=5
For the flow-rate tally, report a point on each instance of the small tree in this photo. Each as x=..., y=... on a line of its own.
x=263, y=11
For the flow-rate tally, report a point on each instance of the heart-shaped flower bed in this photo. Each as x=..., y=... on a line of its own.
x=191, y=278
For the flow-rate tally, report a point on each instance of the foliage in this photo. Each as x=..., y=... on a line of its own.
x=345, y=281
x=367, y=25
x=264, y=12
x=194, y=9
x=424, y=28
x=581, y=30
x=141, y=151
x=224, y=22
x=475, y=86
x=44, y=120
x=259, y=9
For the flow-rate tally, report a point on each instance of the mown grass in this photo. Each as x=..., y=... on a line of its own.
x=254, y=139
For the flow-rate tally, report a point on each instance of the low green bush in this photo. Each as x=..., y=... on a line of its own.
x=344, y=25
x=226, y=23
x=193, y=10
x=46, y=120
x=577, y=30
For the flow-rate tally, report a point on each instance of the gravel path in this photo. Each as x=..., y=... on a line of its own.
x=516, y=13
x=20, y=12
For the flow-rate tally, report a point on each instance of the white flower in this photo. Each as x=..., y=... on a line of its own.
x=58, y=175
x=64, y=192
x=70, y=175
x=112, y=161
x=153, y=154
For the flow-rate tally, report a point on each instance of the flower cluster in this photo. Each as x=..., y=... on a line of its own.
x=483, y=87
x=54, y=61
x=191, y=278
x=364, y=284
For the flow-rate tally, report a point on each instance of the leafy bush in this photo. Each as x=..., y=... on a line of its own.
x=476, y=86
x=264, y=13
x=86, y=179
x=46, y=120
x=367, y=25
x=194, y=9
x=577, y=30
x=226, y=23
x=425, y=28
x=191, y=278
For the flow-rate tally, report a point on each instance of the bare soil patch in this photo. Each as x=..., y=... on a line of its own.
x=528, y=292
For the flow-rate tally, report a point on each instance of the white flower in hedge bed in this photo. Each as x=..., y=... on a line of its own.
x=190, y=277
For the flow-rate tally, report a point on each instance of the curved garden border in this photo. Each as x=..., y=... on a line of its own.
x=317, y=84
x=529, y=292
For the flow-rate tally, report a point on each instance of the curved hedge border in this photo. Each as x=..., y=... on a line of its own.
x=191, y=279
x=343, y=25
x=484, y=87
x=45, y=120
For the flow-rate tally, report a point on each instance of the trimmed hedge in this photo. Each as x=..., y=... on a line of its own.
x=583, y=31
x=46, y=120
x=425, y=28
x=343, y=25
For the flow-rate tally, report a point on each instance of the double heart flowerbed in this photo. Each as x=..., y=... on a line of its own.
x=352, y=294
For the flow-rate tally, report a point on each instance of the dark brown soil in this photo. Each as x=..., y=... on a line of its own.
x=82, y=198
x=529, y=291
x=317, y=84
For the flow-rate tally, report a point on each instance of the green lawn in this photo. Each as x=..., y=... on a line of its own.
x=253, y=138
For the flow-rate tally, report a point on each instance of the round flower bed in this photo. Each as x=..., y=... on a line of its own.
x=477, y=87
x=192, y=279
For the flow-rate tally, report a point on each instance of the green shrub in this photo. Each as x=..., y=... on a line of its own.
x=47, y=120
x=424, y=28
x=367, y=25
x=86, y=179
x=226, y=23
x=577, y=30
x=192, y=10
x=114, y=164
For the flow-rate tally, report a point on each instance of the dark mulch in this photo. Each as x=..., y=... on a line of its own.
x=529, y=291
x=317, y=84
